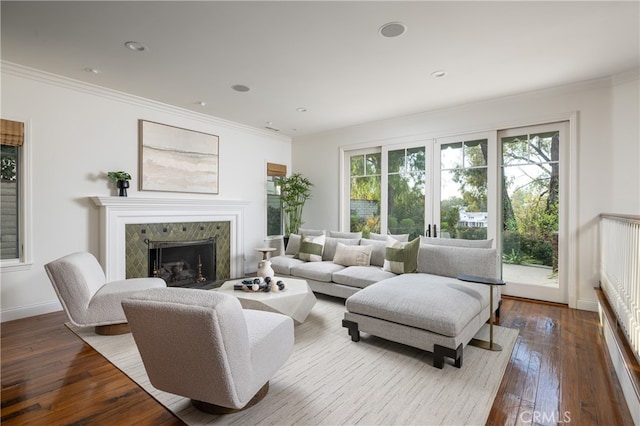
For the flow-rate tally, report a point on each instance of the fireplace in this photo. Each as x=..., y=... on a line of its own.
x=183, y=263
x=125, y=222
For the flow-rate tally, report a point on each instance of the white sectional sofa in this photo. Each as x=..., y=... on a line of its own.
x=329, y=278
x=429, y=308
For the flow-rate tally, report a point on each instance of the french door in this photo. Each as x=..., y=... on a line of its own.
x=534, y=208
x=507, y=185
x=436, y=187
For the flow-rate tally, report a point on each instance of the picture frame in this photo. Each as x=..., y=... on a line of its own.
x=173, y=159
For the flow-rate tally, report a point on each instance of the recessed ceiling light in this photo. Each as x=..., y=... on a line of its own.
x=301, y=109
x=135, y=46
x=392, y=29
x=439, y=73
x=92, y=70
x=240, y=88
x=201, y=103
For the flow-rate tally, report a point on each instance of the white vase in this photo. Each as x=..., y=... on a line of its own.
x=265, y=270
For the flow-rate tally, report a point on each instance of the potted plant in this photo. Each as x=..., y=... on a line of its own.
x=122, y=181
x=295, y=190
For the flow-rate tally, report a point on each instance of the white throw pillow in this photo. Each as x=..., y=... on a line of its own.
x=352, y=255
x=403, y=238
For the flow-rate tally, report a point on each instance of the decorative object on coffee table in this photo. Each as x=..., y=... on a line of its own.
x=122, y=181
x=296, y=301
x=259, y=284
x=264, y=266
x=490, y=345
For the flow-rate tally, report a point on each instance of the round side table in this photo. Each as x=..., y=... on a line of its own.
x=265, y=250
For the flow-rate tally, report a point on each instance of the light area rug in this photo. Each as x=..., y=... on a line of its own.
x=330, y=380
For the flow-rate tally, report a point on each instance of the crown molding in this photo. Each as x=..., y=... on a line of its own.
x=21, y=71
x=626, y=77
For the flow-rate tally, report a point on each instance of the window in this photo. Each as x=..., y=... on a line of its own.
x=464, y=189
x=13, y=194
x=274, y=204
x=364, y=192
x=406, y=191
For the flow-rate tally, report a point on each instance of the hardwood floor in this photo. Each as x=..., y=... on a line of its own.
x=558, y=373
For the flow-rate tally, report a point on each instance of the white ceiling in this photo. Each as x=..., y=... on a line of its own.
x=327, y=57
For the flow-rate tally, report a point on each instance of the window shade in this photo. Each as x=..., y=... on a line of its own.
x=11, y=132
x=274, y=169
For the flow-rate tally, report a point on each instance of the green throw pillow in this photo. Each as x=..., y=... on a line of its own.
x=311, y=248
x=401, y=258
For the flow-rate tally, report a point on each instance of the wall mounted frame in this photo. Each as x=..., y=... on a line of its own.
x=173, y=159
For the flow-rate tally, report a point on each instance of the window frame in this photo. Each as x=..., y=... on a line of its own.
x=275, y=171
x=25, y=218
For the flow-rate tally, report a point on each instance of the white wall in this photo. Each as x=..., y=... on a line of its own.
x=80, y=132
x=602, y=185
x=625, y=149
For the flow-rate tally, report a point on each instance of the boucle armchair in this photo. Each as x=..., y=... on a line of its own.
x=202, y=345
x=86, y=297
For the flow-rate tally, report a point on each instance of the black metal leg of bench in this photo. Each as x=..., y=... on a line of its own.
x=353, y=329
x=439, y=352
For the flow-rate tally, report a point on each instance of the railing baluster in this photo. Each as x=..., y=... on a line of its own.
x=620, y=271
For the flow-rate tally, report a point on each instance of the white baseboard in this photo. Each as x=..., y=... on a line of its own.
x=622, y=371
x=587, y=305
x=30, y=310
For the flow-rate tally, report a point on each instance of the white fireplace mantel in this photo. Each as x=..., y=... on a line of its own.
x=117, y=212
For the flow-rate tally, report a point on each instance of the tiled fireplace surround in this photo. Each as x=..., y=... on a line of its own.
x=222, y=218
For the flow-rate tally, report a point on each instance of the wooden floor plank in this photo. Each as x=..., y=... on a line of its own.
x=558, y=366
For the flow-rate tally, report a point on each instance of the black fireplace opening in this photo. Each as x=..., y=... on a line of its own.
x=183, y=263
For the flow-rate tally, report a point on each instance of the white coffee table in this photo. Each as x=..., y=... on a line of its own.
x=295, y=301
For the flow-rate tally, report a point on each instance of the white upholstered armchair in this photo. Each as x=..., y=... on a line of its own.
x=86, y=297
x=202, y=345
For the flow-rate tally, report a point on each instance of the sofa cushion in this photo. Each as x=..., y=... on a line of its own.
x=282, y=264
x=336, y=234
x=311, y=248
x=403, y=238
x=330, y=244
x=293, y=245
x=318, y=271
x=457, y=242
x=377, y=251
x=361, y=276
x=439, y=304
x=401, y=258
x=352, y=255
x=312, y=232
x=453, y=261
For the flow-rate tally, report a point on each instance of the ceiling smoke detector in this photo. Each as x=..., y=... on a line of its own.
x=392, y=29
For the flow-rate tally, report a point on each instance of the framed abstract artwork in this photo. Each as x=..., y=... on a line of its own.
x=173, y=159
